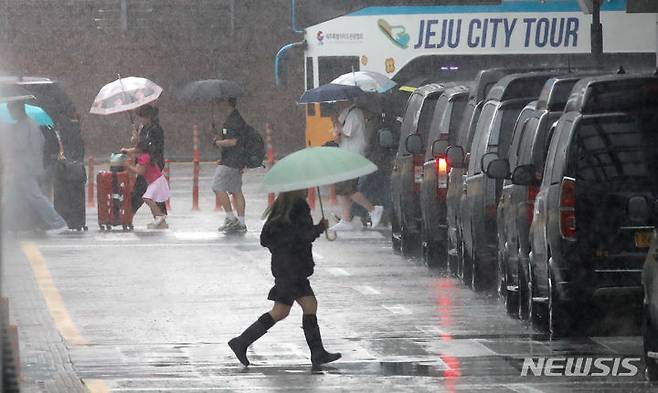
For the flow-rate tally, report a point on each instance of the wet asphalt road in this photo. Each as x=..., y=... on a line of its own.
x=151, y=311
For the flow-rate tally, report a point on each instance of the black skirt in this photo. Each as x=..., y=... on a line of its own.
x=286, y=291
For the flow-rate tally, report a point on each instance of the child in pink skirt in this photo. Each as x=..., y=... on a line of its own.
x=158, y=188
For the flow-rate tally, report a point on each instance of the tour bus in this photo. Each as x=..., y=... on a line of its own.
x=453, y=42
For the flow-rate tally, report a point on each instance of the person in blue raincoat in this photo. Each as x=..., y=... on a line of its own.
x=23, y=200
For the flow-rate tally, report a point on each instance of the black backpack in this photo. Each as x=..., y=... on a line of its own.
x=254, y=148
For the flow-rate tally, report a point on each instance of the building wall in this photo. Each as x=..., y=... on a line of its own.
x=81, y=44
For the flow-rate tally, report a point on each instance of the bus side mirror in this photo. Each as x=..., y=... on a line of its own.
x=414, y=144
x=456, y=157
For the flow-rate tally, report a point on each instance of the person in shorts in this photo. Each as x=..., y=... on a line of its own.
x=289, y=234
x=227, y=179
x=350, y=133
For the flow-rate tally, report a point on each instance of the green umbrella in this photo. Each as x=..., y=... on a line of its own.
x=315, y=167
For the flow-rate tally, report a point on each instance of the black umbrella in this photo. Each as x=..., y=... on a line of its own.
x=331, y=92
x=12, y=93
x=210, y=89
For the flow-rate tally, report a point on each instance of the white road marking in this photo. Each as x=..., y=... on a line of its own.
x=78, y=246
x=367, y=290
x=364, y=234
x=433, y=330
x=337, y=271
x=518, y=388
x=196, y=235
x=398, y=309
x=116, y=237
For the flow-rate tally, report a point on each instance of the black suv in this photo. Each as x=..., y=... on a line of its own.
x=596, y=207
x=51, y=97
x=516, y=204
x=434, y=184
x=408, y=167
x=483, y=82
x=493, y=133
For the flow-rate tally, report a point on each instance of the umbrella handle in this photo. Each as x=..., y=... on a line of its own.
x=334, y=235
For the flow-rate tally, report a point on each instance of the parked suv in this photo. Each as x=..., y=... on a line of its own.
x=481, y=86
x=596, y=207
x=650, y=311
x=516, y=204
x=434, y=184
x=51, y=97
x=408, y=166
x=493, y=133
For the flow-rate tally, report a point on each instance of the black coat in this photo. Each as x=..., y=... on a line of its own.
x=291, y=243
x=153, y=135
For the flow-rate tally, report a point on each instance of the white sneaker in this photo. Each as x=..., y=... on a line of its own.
x=376, y=216
x=342, y=226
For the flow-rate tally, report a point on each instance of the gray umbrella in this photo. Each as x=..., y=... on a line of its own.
x=210, y=89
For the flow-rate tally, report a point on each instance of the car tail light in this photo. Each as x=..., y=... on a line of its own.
x=568, y=208
x=418, y=172
x=532, y=194
x=441, y=177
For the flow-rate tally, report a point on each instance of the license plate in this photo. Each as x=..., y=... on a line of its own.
x=418, y=174
x=643, y=239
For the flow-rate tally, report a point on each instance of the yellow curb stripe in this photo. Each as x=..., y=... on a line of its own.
x=96, y=386
x=54, y=301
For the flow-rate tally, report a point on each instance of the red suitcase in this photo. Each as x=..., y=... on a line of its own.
x=114, y=189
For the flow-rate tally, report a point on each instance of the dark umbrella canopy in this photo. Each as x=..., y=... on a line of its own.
x=210, y=89
x=330, y=93
x=13, y=93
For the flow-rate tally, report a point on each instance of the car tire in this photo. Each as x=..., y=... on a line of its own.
x=410, y=244
x=524, y=288
x=434, y=254
x=650, y=341
x=538, y=311
x=510, y=297
x=453, y=258
x=395, y=232
x=466, y=265
x=481, y=278
x=558, y=311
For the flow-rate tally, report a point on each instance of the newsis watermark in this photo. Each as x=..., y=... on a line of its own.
x=581, y=366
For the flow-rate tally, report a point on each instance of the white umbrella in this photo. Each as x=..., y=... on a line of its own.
x=125, y=94
x=368, y=81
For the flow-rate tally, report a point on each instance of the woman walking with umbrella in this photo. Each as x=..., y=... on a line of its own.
x=289, y=233
x=151, y=136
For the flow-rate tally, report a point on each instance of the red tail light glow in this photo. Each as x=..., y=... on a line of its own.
x=568, y=208
x=441, y=177
x=532, y=194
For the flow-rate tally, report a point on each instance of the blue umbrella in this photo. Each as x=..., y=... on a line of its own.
x=330, y=93
x=33, y=112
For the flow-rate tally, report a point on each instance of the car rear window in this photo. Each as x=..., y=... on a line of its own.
x=612, y=147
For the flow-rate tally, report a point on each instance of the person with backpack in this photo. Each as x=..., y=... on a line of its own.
x=350, y=134
x=289, y=234
x=228, y=174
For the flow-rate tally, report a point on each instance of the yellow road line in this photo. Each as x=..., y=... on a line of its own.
x=56, y=307
x=96, y=386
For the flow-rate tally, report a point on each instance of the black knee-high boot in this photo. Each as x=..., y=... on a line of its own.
x=240, y=343
x=314, y=341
